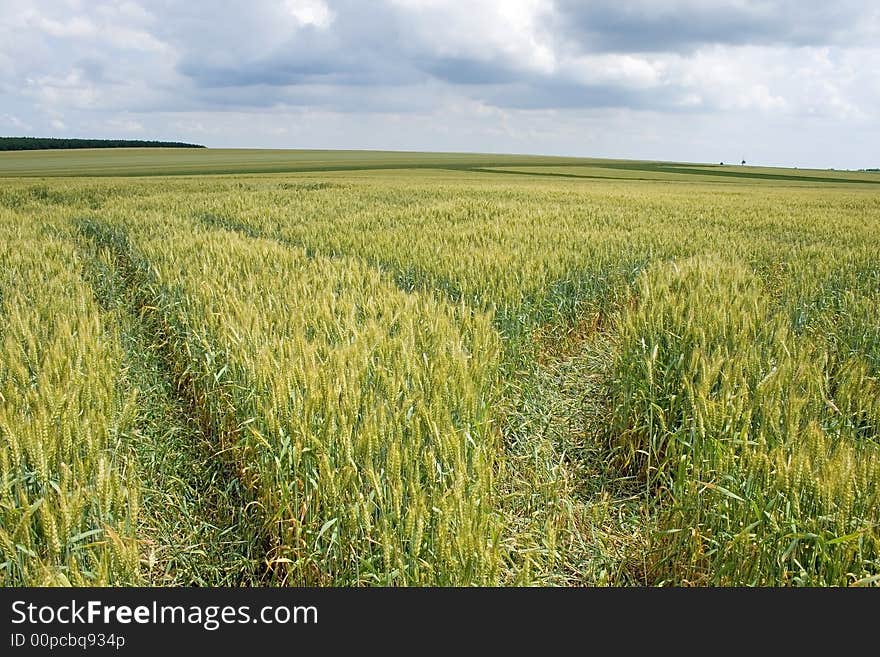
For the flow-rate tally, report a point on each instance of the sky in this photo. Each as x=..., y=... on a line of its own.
x=787, y=82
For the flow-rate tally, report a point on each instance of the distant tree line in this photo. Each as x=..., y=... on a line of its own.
x=40, y=143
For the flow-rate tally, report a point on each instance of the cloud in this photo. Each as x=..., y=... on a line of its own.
x=685, y=25
x=10, y=122
x=668, y=56
x=310, y=12
x=531, y=72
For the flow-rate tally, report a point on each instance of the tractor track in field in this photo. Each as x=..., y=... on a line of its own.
x=195, y=527
x=557, y=410
x=560, y=483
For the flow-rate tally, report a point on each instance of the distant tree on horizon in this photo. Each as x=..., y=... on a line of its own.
x=45, y=143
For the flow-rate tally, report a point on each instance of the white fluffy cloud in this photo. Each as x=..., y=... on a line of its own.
x=792, y=82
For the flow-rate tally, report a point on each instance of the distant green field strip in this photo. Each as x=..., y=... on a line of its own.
x=140, y=162
x=736, y=173
x=673, y=172
x=560, y=174
x=243, y=167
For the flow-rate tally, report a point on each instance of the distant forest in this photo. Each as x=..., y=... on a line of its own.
x=41, y=143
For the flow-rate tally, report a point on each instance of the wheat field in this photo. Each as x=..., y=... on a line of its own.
x=357, y=371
